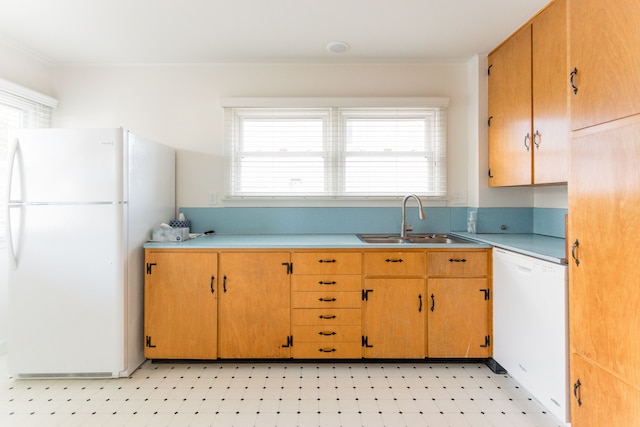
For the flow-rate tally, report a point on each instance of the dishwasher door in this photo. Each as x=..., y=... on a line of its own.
x=530, y=318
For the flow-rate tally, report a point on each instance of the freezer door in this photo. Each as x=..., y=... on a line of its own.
x=66, y=165
x=67, y=291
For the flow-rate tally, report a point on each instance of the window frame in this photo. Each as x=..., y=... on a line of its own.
x=337, y=112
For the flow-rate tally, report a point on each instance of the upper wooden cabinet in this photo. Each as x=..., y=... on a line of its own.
x=528, y=119
x=604, y=41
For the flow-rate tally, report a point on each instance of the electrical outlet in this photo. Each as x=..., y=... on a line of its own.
x=213, y=199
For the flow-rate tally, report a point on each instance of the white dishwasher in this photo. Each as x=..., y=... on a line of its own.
x=530, y=326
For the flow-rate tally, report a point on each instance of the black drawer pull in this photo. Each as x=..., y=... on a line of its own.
x=326, y=299
x=326, y=333
x=325, y=317
x=326, y=260
x=457, y=260
x=326, y=283
x=327, y=350
x=394, y=260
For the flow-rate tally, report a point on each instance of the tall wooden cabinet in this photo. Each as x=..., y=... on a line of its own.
x=604, y=195
x=528, y=123
x=254, y=305
x=180, y=301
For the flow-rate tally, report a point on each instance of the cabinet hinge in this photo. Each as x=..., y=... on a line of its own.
x=148, y=342
x=487, y=341
x=365, y=294
x=487, y=294
x=365, y=342
x=150, y=266
x=489, y=173
x=289, y=342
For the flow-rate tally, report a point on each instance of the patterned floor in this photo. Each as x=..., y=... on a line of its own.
x=283, y=394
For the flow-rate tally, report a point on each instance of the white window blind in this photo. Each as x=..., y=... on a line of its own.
x=19, y=108
x=335, y=152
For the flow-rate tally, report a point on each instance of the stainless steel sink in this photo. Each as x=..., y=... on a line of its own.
x=442, y=239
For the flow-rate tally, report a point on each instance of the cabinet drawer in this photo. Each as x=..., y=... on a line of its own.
x=395, y=263
x=326, y=282
x=326, y=334
x=327, y=262
x=326, y=317
x=326, y=299
x=341, y=350
x=458, y=263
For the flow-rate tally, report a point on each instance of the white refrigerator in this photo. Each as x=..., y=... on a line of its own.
x=81, y=203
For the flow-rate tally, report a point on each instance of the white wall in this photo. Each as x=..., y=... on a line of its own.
x=179, y=105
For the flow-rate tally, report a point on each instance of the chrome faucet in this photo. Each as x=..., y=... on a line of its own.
x=403, y=229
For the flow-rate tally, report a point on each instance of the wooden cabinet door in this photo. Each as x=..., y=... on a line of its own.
x=600, y=399
x=604, y=198
x=510, y=111
x=394, y=318
x=180, y=305
x=550, y=95
x=458, y=318
x=255, y=305
x=604, y=40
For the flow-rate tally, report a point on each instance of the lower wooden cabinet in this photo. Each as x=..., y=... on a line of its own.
x=254, y=305
x=394, y=318
x=180, y=304
x=458, y=318
x=326, y=306
x=243, y=304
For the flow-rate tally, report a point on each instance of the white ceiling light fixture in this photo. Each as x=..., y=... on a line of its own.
x=337, y=47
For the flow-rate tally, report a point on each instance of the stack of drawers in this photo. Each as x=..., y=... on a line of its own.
x=326, y=299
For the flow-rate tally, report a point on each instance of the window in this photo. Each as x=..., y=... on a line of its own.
x=19, y=108
x=337, y=152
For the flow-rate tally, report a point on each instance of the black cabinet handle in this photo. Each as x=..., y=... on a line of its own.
x=326, y=299
x=326, y=283
x=457, y=260
x=575, y=246
x=326, y=260
x=571, y=76
x=420, y=306
x=224, y=283
x=211, y=284
x=326, y=334
x=325, y=317
x=433, y=302
x=327, y=350
x=576, y=391
x=393, y=260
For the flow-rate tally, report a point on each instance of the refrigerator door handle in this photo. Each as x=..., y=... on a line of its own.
x=12, y=156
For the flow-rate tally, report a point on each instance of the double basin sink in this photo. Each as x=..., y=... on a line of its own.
x=416, y=238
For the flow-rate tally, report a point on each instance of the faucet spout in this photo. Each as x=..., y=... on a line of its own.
x=403, y=225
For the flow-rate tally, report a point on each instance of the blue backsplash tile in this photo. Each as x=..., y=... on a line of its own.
x=278, y=220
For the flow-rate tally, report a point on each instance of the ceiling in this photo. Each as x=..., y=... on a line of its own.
x=213, y=31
